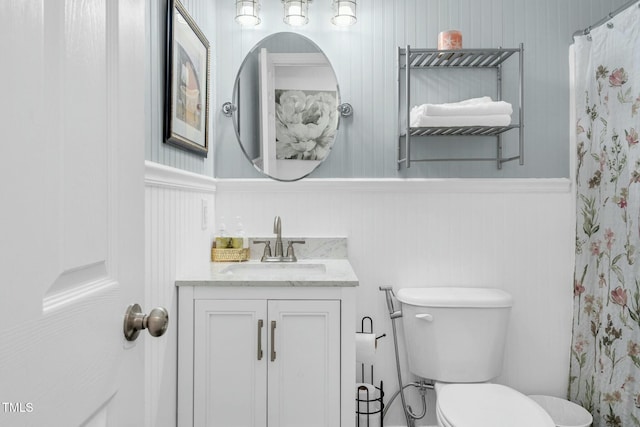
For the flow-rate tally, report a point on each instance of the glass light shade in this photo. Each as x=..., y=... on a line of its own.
x=344, y=12
x=248, y=12
x=296, y=12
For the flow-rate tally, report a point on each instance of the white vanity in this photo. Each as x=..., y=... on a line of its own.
x=264, y=344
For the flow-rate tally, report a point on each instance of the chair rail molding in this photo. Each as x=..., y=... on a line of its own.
x=411, y=185
x=157, y=175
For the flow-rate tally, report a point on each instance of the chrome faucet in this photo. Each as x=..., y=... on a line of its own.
x=278, y=255
x=277, y=228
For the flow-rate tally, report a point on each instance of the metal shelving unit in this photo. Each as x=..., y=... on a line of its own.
x=419, y=59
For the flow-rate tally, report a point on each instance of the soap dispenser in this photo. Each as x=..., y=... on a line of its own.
x=222, y=237
x=240, y=240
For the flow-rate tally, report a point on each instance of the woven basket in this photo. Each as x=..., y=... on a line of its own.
x=229, y=255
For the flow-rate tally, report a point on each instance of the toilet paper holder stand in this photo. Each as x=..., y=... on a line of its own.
x=370, y=331
x=369, y=407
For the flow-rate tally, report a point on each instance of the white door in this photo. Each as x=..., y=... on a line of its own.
x=71, y=211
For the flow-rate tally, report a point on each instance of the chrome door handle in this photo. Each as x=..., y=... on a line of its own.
x=273, y=340
x=135, y=321
x=260, y=323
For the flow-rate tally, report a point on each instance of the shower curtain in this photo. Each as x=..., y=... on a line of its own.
x=605, y=352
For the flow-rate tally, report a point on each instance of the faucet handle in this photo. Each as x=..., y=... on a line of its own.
x=267, y=248
x=291, y=256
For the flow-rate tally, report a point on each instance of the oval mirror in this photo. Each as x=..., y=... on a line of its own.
x=286, y=106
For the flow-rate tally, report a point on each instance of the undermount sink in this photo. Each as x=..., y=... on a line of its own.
x=263, y=270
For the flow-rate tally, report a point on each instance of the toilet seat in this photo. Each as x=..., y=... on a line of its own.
x=487, y=405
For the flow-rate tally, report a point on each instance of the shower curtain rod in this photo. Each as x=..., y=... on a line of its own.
x=605, y=19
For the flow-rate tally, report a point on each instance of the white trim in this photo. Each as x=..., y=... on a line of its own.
x=552, y=185
x=157, y=175
x=165, y=176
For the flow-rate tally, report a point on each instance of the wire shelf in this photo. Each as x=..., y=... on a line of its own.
x=471, y=58
x=430, y=59
x=461, y=130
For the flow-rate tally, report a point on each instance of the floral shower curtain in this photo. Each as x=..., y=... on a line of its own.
x=605, y=353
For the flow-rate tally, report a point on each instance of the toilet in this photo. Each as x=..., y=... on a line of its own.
x=455, y=337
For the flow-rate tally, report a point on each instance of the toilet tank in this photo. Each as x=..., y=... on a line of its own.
x=455, y=334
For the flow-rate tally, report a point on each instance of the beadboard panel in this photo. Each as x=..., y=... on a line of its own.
x=364, y=58
x=512, y=234
x=175, y=242
x=203, y=12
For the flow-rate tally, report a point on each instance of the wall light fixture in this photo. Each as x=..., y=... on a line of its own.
x=248, y=12
x=344, y=12
x=296, y=12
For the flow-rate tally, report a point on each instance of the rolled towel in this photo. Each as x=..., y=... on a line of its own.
x=456, y=121
x=469, y=109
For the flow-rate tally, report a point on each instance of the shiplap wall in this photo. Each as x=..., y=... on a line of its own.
x=364, y=58
x=511, y=234
x=175, y=242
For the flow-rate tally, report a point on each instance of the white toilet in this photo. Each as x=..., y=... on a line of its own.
x=455, y=337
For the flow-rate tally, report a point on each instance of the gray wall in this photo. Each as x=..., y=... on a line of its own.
x=156, y=150
x=364, y=57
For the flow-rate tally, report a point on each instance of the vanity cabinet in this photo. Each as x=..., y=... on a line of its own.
x=266, y=356
x=414, y=60
x=267, y=363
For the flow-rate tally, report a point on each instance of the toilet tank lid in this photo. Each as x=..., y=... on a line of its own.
x=455, y=297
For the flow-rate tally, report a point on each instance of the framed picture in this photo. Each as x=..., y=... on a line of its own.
x=187, y=82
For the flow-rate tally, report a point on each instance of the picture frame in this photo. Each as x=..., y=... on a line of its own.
x=186, y=104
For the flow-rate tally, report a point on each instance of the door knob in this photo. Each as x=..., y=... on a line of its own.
x=135, y=321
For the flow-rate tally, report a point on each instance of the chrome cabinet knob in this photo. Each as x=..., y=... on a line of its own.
x=135, y=320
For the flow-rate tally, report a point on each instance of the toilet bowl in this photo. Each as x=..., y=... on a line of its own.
x=455, y=337
x=487, y=405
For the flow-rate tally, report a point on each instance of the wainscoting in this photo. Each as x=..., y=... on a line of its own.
x=175, y=241
x=511, y=234
x=508, y=233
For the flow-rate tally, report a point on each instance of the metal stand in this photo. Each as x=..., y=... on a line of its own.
x=431, y=59
x=369, y=408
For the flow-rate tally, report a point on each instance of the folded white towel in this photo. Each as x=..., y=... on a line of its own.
x=474, y=109
x=419, y=120
x=471, y=101
x=469, y=107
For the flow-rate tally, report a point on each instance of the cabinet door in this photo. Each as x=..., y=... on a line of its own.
x=229, y=373
x=304, y=363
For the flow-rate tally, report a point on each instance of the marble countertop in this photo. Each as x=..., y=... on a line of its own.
x=314, y=272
